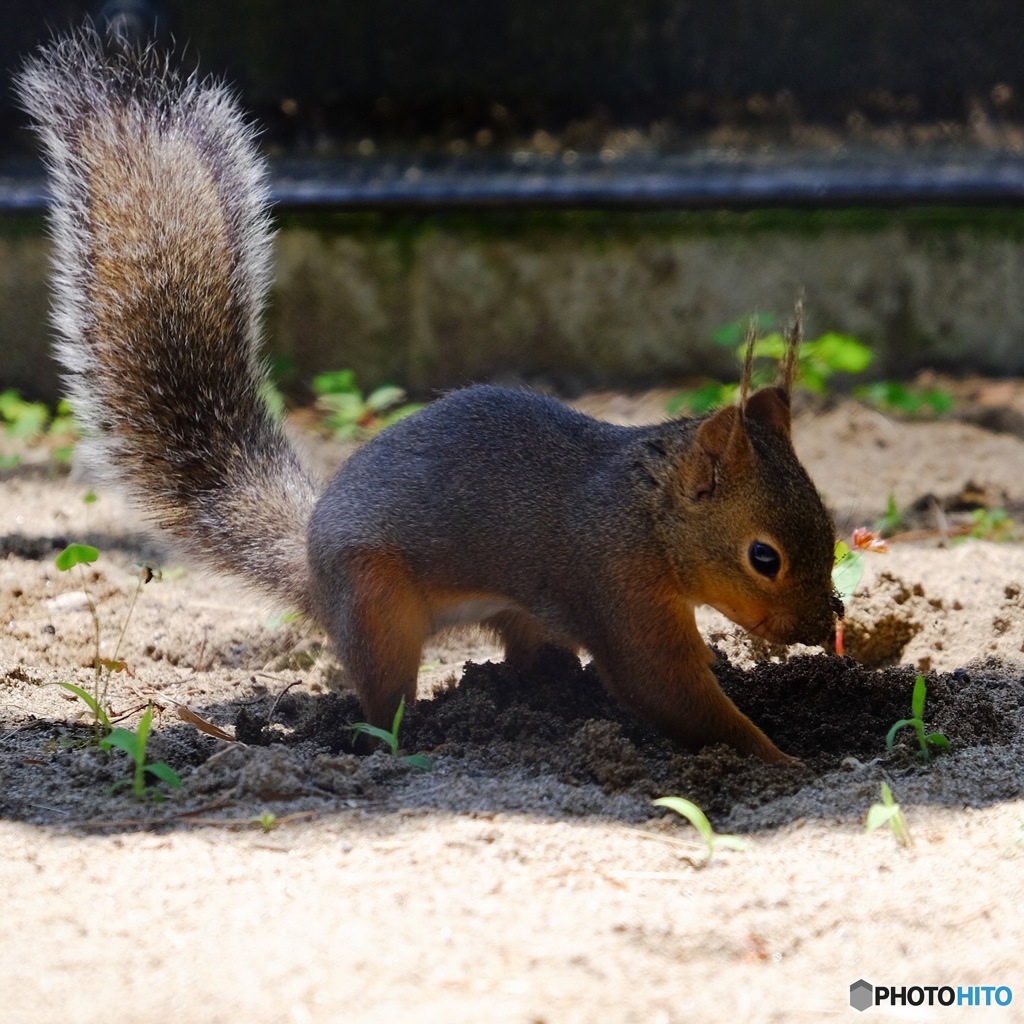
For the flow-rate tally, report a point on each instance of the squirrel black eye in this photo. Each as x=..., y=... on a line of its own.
x=765, y=559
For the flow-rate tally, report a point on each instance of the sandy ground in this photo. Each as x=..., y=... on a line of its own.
x=526, y=877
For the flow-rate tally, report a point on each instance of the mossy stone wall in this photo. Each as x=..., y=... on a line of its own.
x=580, y=299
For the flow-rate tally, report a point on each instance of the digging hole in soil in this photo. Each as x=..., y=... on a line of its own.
x=558, y=720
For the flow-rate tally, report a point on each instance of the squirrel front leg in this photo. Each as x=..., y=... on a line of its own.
x=651, y=657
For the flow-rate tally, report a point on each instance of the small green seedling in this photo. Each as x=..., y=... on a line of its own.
x=391, y=739
x=76, y=554
x=99, y=712
x=929, y=744
x=888, y=812
x=351, y=416
x=134, y=745
x=891, y=521
x=699, y=820
x=992, y=524
x=267, y=821
x=81, y=555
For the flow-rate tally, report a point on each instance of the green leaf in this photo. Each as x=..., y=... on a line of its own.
x=918, y=697
x=377, y=733
x=699, y=820
x=771, y=346
x=847, y=571
x=76, y=554
x=690, y=811
x=335, y=382
x=840, y=353
x=165, y=773
x=812, y=378
x=418, y=761
x=396, y=722
x=342, y=407
x=123, y=740
x=10, y=402
x=879, y=815
x=732, y=334
x=142, y=733
x=30, y=421
x=890, y=738
x=939, y=401
x=90, y=702
x=384, y=397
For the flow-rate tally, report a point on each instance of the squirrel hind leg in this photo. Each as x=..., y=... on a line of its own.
x=378, y=628
x=523, y=638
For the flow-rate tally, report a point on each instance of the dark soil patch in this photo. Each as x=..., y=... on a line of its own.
x=558, y=721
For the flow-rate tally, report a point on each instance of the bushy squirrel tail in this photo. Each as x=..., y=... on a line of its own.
x=162, y=263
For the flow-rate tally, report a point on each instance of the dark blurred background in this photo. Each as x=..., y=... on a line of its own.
x=485, y=75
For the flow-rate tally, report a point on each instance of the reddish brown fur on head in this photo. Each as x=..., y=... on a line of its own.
x=746, y=489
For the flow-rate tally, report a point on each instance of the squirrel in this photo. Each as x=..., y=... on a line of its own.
x=491, y=505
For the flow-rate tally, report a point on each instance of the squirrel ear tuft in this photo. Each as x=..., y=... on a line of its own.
x=770, y=406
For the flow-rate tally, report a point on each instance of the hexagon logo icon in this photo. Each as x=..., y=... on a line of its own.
x=861, y=995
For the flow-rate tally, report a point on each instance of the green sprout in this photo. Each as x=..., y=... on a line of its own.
x=818, y=361
x=929, y=744
x=391, y=739
x=134, y=745
x=891, y=521
x=352, y=416
x=81, y=555
x=888, y=812
x=267, y=821
x=992, y=524
x=699, y=820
